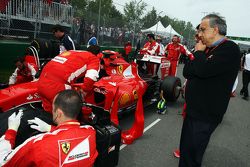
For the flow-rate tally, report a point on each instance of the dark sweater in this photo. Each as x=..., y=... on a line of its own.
x=210, y=80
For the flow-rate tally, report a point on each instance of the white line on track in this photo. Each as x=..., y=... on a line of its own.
x=147, y=128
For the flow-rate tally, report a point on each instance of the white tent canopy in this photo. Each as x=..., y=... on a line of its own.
x=159, y=29
x=171, y=31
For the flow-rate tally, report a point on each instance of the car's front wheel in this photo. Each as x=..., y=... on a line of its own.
x=171, y=88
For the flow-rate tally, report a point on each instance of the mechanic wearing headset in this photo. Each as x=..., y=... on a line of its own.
x=174, y=50
x=65, y=69
x=67, y=144
x=25, y=71
x=66, y=42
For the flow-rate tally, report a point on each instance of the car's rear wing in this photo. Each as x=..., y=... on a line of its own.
x=162, y=61
x=153, y=59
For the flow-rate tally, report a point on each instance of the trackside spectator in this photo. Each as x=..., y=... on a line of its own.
x=66, y=42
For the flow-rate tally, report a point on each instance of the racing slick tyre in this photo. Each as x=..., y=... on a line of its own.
x=171, y=88
x=46, y=49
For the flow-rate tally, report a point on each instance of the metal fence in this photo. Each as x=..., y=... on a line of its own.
x=33, y=18
x=29, y=19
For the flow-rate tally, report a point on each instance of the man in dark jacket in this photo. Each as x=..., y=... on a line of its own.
x=66, y=43
x=211, y=76
x=245, y=75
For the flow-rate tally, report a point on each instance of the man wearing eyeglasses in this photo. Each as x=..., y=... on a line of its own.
x=211, y=75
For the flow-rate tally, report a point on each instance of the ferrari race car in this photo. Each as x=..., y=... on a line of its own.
x=123, y=86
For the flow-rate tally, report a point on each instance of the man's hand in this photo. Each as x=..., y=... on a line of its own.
x=200, y=46
x=39, y=125
x=14, y=120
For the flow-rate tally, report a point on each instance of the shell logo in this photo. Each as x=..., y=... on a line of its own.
x=120, y=69
x=124, y=99
x=135, y=94
x=66, y=53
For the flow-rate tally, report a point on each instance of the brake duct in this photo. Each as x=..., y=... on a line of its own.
x=136, y=131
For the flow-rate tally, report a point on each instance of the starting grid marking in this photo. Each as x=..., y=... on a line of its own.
x=147, y=128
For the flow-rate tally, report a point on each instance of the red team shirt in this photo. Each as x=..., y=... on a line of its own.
x=151, y=48
x=64, y=70
x=67, y=145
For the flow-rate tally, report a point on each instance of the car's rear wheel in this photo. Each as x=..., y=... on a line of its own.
x=171, y=88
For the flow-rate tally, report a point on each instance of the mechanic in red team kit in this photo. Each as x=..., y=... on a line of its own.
x=151, y=47
x=174, y=50
x=65, y=69
x=68, y=144
x=25, y=71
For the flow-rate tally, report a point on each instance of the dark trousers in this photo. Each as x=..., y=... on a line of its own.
x=245, y=81
x=195, y=136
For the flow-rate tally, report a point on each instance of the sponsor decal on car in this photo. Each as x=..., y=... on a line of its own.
x=124, y=99
x=35, y=96
x=102, y=91
x=120, y=69
x=135, y=94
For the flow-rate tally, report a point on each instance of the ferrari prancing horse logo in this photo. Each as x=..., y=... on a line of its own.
x=120, y=69
x=65, y=147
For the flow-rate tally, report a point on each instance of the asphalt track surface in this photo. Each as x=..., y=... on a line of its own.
x=229, y=145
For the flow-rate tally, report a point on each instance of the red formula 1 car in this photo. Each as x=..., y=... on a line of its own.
x=124, y=86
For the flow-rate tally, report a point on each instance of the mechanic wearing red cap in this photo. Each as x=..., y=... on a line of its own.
x=65, y=69
x=69, y=144
x=174, y=50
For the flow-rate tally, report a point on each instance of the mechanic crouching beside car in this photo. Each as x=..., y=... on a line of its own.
x=25, y=71
x=63, y=70
x=68, y=144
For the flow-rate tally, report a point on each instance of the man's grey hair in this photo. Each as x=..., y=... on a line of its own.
x=216, y=20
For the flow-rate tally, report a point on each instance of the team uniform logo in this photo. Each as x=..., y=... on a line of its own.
x=65, y=147
x=66, y=53
x=73, y=150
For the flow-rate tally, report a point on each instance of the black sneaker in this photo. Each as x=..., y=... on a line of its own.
x=245, y=98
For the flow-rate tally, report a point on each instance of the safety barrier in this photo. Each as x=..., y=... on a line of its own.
x=32, y=17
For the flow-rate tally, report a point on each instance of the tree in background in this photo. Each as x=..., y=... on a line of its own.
x=133, y=12
x=134, y=18
x=79, y=7
x=150, y=19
